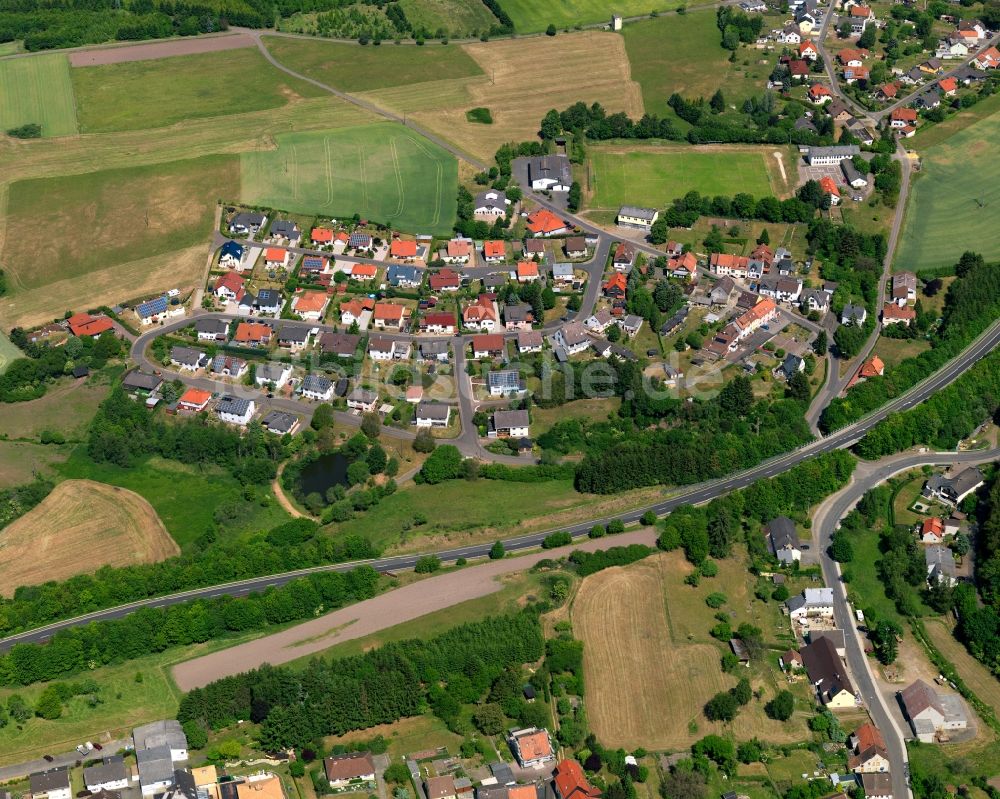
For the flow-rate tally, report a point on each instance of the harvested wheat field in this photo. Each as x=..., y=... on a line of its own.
x=643, y=688
x=587, y=66
x=79, y=527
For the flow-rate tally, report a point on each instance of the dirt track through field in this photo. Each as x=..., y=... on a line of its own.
x=148, y=52
x=386, y=610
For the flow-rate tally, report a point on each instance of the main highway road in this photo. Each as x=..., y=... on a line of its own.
x=696, y=494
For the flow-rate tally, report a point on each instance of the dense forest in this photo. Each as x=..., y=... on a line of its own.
x=396, y=680
x=979, y=623
x=971, y=305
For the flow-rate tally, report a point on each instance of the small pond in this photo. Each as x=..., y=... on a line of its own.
x=322, y=474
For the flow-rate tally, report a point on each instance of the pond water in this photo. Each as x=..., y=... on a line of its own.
x=323, y=473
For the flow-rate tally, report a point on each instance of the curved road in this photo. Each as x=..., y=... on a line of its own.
x=825, y=522
x=703, y=492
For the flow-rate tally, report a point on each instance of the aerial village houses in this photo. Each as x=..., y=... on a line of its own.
x=549, y=173
x=482, y=315
x=828, y=674
x=633, y=216
x=351, y=770
x=532, y=747
x=932, y=715
x=869, y=753
x=545, y=223
x=783, y=539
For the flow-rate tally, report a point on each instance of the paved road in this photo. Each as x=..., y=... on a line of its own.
x=19, y=770
x=825, y=522
x=693, y=495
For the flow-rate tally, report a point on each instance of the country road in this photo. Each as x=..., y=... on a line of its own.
x=825, y=521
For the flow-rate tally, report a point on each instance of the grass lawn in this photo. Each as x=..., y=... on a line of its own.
x=135, y=95
x=66, y=408
x=38, y=89
x=531, y=16
x=459, y=512
x=415, y=734
x=928, y=136
x=184, y=497
x=655, y=176
x=975, y=675
x=383, y=172
x=684, y=54
x=111, y=217
x=791, y=768
x=8, y=352
x=596, y=410
x=455, y=17
x=21, y=460
x=950, y=203
x=894, y=350
x=361, y=69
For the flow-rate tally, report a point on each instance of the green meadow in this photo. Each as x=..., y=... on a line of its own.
x=37, y=89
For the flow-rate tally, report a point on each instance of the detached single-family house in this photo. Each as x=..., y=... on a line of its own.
x=353, y=770
x=187, y=359
x=631, y=325
x=624, y=257
x=252, y=334
x=357, y=311
x=783, y=540
x=401, y=276
x=509, y=424
x=599, y=321
x=445, y=280
x=457, y=251
x=941, y=567
x=505, y=383
x=952, y=490
x=852, y=176
x=550, y=173
x=870, y=755
x=529, y=341
x=440, y=788
x=904, y=288
x=818, y=93
x=563, y=274
x=53, y=784
x=390, y=316
x=274, y=374
x=490, y=345
x=155, y=310
x=815, y=300
x=810, y=603
x=570, y=782
x=494, y=251
x=782, y=289
x=314, y=265
x=247, y=223
x=211, y=329
x=231, y=255
x=518, y=317
x=321, y=236
x=527, y=272
x=434, y=351
x=932, y=714
x=545, y=223
x=483, y=314
x=275, y=258
x=359, y=241
x=285, y=230
x=893, y=314
x=615, y=286
x=634, y=216
x=403, y=249
x=362, y=399
x=311, y=305
x=109, y=775
x=269, y=302
x=439, y=322
x=235, y=410
x=828, y=674
x=532, y=747
x=382, y=348
x=860, y=16
x=853, y=315
x=572, y=337
x=228, y=366
x=317, y=387
x=280, y=423
x=902, y=117
x=932, y=531
x=988, y=59
x=432, y=414
x=343, y=345
x=575, y=247
x=83, y=324
x=194, y=399
x=294, y=337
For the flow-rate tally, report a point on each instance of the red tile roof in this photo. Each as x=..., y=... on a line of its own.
x=195, y=398
x=459, y=248
x=617, y=281
x=274, y=254
x=440, y=320
x=903, y=115
x=446, y=278
x=310, y=301
x=932, y=526
x=321, y=234
x=571, y=782
x=948, y=84
x=893, y=311
x=252, y=331
x=403, y=249
x=494, y=249
x=534, y=745
x=83, y=324
x=527, y=269
x=231, y=281
x=828, y=185
x=544, y=221
x=389, y=311
x=491, y=342
x=873, y=367
x=364, y=271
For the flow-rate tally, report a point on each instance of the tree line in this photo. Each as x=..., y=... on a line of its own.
x=151, y=630
x=396, y=680
x=29, y=378
x=971, y=305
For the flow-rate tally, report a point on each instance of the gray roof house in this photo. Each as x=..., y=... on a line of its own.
x=931, y=713
x=853, y=177
x=286, y=229
x=212, y=329
x=280, y=423
x=156, y=768
x=108, y=775
x=952, y=490
x=55, y=781
x=432, y=414
x=940, y=565
x=247, y=222
x=853, y=315
x=141, y=381
x=783, y=539
x=317, y=387
x=186, y=357
x=550, y=172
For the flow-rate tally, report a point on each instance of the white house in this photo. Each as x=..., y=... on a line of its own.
x=350, y=770
x=931, y=713
x=811, y=602
x=491, y=203
x=432, y=414
x=110, y=775
x=362, y=399
x=277, y=374
x=234, y=410
x=317, y=387
x=550, y=173
x=572, y=337
x=633, y=216
x=783, y=539
x=52, y=784
x=509, y=424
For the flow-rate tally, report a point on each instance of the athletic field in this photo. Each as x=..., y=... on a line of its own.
x=954, y=202
x=383, y=172
x=37, y=89
x=653, y=176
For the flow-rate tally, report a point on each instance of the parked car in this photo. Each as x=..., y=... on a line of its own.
x=48, y=758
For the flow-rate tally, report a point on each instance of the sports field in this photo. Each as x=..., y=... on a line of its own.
x=684, y=54
x=360, y=69
x=110, y=217
x=653, y=177
x=586, y=65
x=456, y=17
x=530, y=16
x=135, y=95
x=79, y=527
x=953, y=208
x=383, y=172
x=37, y=89
x=649, y=663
